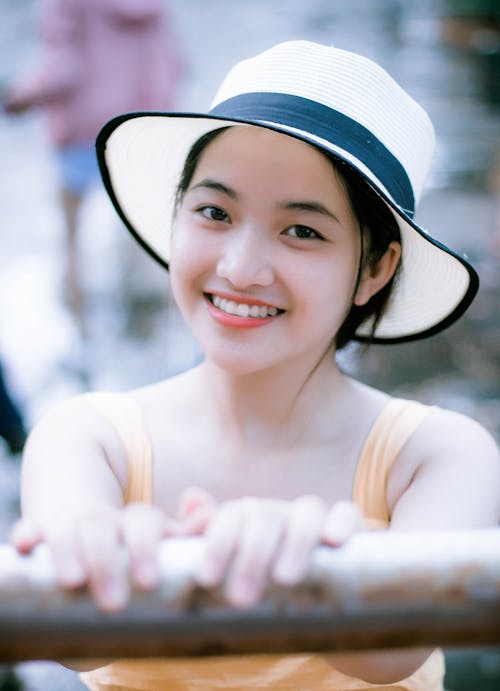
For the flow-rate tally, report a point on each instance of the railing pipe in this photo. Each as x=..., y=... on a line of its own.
x=380, y=590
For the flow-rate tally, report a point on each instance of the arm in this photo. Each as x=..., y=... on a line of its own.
x=447, y=477
x=434, y=485
x=72, y=461
x=251, y=541
x=73, y=476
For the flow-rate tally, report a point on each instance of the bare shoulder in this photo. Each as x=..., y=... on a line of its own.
x=75, y=444
x=445, y=432
x=74, y=418
x=450, y=467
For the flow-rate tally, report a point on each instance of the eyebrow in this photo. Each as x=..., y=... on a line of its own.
x=210, y=184
x=311, y=207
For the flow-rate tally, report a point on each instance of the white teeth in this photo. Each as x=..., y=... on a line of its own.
x=241, y=309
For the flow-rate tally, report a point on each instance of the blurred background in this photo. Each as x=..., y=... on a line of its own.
x=124, y=331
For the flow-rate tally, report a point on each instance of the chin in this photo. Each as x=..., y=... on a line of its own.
x=236, y=361
x=235, y=366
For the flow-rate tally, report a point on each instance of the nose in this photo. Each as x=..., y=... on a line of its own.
x=245, y=259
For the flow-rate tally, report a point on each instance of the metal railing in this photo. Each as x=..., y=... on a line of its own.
x=380, y=590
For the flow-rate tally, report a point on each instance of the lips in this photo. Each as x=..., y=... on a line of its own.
x=253, y=310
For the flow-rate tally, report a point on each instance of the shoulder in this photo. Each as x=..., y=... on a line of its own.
x=445, y=431
x=447, y=436
x=79, y=412
x=450, y=460
x=75, y=431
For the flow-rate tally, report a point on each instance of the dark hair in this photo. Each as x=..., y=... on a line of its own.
x=191, y=163
x=378, y=228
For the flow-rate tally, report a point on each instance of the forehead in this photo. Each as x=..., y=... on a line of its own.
x=245, y=150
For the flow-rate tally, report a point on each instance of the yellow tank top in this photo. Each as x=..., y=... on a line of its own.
x=395, y=424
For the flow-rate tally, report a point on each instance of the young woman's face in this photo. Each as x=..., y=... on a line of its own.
x=265, y=251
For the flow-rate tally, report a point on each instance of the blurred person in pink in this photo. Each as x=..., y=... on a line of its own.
x=100, y=58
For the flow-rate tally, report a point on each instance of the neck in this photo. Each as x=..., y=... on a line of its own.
x=271, y=408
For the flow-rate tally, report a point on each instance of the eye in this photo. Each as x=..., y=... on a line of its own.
x=302, y=233
x=213, y=213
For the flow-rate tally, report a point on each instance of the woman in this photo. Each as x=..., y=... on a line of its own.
x=291, y=205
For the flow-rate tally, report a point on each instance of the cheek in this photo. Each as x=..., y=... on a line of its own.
x=188, y=265
x=189, y=244
x=331, y=281
x=326, y=293
x=177, y=242
x=179, y=266
x=175, y=281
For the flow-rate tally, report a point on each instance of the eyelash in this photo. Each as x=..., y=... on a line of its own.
x=311, y=233
x=208, y=210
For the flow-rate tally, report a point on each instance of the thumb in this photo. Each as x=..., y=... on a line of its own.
x=25, y=535
x=192, y=499
x=196, y=508
x=343, y=519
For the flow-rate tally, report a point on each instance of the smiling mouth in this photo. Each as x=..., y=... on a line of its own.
x=242, y=309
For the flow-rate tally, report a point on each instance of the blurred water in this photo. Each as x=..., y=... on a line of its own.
x=135, y=338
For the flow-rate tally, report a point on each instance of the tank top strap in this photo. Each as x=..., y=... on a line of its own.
x=123, y=412
x=394, y=426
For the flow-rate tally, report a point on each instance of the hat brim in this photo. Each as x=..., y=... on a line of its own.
x=141, y=157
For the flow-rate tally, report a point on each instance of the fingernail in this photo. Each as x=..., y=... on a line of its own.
x=336, y=536
x=113, y=595
x=243, y=593
x=208, y=574
x=24, y=536
x=287, y=573
x=146, y=574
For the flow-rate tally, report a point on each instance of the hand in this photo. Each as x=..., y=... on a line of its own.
x=112, y=550
x=250, y=541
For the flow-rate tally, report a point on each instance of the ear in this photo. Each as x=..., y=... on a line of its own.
x=376, y=276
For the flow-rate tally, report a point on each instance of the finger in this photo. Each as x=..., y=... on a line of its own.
x=105, y=561
x=25, y=534
x=192, y=499
x=255, y=552
x=172, y=527
x=197, y=522
x=61, y=537
x=219, y=544
x=196, y=509
x=142, y=530
x=343, y=519
x=305, y=520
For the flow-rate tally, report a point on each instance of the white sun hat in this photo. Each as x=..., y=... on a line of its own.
x=339, y=101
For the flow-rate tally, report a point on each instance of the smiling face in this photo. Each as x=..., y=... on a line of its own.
x=265, y=251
